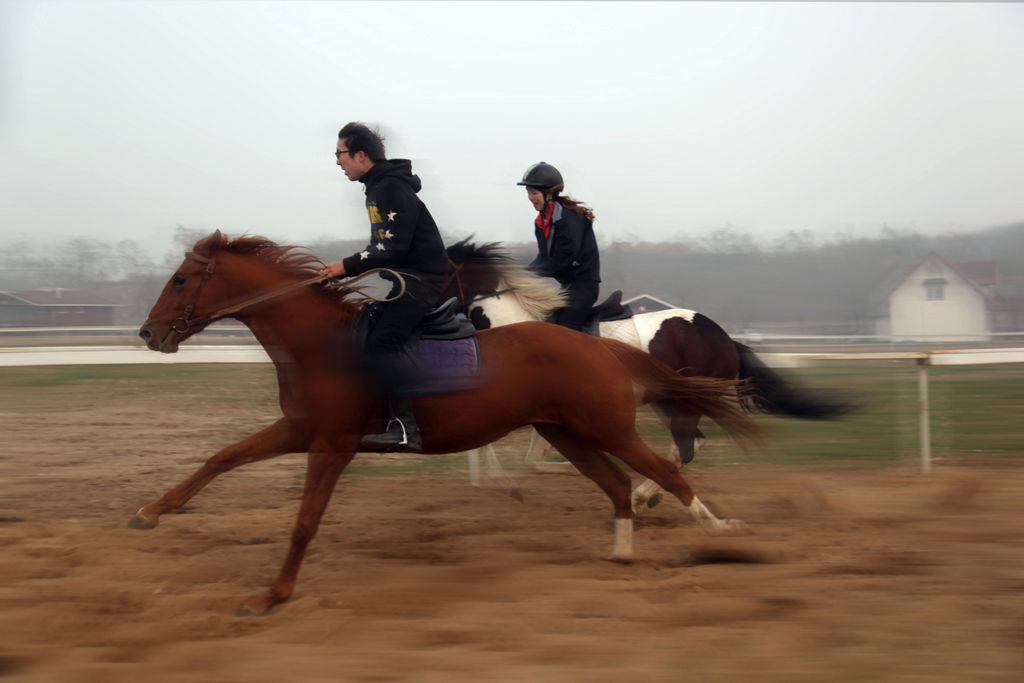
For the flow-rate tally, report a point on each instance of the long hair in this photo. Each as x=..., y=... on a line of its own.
x=577, y=206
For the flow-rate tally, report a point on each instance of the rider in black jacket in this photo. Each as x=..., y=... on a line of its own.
x=566, y=246
x=403, y=237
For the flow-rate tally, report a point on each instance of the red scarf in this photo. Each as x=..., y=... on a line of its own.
x=543, y=220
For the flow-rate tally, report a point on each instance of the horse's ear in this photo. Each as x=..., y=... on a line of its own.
x=208, y=245
x=215, y=241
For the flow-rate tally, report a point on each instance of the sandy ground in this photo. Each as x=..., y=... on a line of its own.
x=851, y=574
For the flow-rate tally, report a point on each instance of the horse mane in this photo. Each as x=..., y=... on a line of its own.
x=293, y=260
x=538, y=296
x=489, y=254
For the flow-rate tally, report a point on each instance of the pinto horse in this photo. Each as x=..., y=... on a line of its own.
x=532, y=374
x=495, y=291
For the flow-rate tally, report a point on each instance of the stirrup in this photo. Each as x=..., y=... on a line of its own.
x=389, y=440
x=405, y=434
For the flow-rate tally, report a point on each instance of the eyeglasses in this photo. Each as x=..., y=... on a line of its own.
x=337, y=154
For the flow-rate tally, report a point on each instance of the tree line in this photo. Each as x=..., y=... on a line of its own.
x=728, y=275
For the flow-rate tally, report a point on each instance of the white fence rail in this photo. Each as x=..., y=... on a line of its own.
x=249, y=353
x=240, y=333
x=129, y=355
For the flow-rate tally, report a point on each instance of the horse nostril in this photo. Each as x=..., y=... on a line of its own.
x=145, y=334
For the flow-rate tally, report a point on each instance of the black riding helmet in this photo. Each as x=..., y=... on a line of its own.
x=544, y=176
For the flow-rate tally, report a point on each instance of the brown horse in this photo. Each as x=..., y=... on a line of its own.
x=578, y=391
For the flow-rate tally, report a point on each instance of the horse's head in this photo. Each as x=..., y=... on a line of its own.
x=244, y=278
x=176, y=314
x=476, y=271
x=494, y=290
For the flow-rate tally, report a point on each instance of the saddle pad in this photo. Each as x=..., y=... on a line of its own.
x=446, y=366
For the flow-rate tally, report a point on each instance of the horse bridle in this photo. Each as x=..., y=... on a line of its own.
x=210, y=264
x=456, y=268
x=184, y=317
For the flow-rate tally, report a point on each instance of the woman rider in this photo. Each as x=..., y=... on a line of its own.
x=566, y=247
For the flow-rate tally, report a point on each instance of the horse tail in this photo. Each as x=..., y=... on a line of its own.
x=718, y=399
x=770, y=393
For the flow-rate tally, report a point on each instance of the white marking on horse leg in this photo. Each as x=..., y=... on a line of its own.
x=674, y=455
x=535, y=453
x=494, y=468
x=474, y=466
x=494, y=475
x=713, y=525
x=643, y=492
x=649, y=490
x=623, y=549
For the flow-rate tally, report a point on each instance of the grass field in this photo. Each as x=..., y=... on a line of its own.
x=974, y=410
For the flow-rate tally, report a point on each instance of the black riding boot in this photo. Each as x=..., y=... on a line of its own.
x=401, y=432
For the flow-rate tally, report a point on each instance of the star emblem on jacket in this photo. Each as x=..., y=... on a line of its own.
x=380, y=246
x=388, y=234
x=363, y=255
x=391, y=215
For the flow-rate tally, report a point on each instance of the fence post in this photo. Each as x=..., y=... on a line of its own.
x=925, y=415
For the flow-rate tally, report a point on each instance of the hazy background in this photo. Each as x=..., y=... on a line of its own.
x=121, y=121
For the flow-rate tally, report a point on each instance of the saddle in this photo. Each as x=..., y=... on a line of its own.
x=443, y=347
x=608, y=310
x=444, y=323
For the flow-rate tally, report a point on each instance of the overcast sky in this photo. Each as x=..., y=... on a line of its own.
x=119, y=120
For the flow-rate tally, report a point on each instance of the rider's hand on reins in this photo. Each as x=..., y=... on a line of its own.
x=333, y=269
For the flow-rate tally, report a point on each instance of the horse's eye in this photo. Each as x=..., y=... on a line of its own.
x=178, y=281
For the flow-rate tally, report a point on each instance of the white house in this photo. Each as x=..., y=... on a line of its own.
x=942, y=301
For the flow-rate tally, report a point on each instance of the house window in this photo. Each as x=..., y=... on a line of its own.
x=935, y=289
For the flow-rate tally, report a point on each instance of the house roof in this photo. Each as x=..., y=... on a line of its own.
x=985, y=271
x=981, y=273
x=639, y=299
x=983, y=276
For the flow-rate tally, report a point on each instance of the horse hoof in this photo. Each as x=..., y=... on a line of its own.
x=621, y=560
x=654, y=500
x=138, y=521
x=248, y=611
x=257, y=605
x=733, y=527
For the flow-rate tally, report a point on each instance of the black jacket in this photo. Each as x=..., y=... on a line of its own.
x=403, y=235
x=569, y=254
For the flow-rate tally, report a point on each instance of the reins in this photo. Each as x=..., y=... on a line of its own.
x=456, y=269
x=210, y=263
x=493, y=295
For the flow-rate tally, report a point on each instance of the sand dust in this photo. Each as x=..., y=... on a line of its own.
x=851, y=575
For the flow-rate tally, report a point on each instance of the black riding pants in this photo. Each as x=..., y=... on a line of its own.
x=582, y=296
x=392, y=369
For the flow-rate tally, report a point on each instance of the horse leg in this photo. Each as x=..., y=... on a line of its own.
x=324, y=466
x=535, y=458
x=684, y=438
x=635, y=453
x=473, y=463
x=615, y=483
x=284, y=436
x=496, y=475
